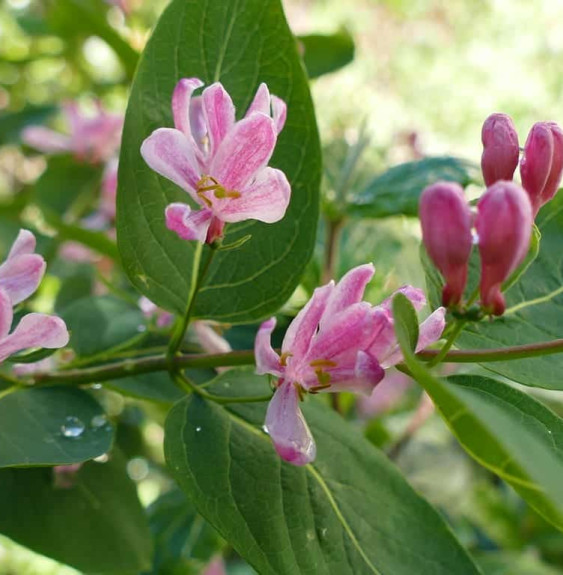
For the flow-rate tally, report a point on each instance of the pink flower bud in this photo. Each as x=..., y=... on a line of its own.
x=500, y=149
x=445, y=217
x=504, y=224
x=542, y=163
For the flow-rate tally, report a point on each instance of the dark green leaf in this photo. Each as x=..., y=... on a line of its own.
x=35, y=422
x=99, y=324
x=12, y=123
x=240, y=43
x=350, y=512
x=91, y=520
x=397, y=190
x=323, y=54
x=152, y=386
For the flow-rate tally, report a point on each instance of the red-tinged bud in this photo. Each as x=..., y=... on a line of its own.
x=500, y=148
x=542, y=163
x=504, y=225
x=445, y=217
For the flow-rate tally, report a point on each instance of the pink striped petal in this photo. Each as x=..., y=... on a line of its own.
x=209, y=339
x=279, y=113
x=35, y=330
x=169, y=153
x=6, y=314
x=383, y=334
x=349, y=290
x=302, y=329
x=219, y=112
x=23, y=244
x=187, y=223
x=45, y=140
x=246, y=149
x=287, y=427
x=261, y=101
x=267, y=360
x=197, y=123
x=416, y=295
x=20, y=276
x=181, y=104
x=431, y=329
x=266, y=199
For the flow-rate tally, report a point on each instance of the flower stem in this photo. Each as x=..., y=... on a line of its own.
x=458, y=327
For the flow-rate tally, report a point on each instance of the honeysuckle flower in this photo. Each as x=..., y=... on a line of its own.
x=504, y=225
x=500, y=149
x=20, y=276
x=92, y=137
x=221, y=163
x=335, y=343
x=107, y=207
x=541, y=166
x=150, y=310
x=446, y=221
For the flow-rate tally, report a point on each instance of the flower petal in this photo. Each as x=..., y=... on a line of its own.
x=23, y=244
x=187, y=223
x=261, y=101
x=219, y=113
x=431, y=329
x=287, y=427
x=6, y=314
x=265, y=199
x=267, y=360
x=35, y=330
x=209, y=339
x=279, y=113
x=416, y=295
x=169, y=153
x=20, y=276
x=302, y=329
x=384, y=339
x=246, y=149
x=181, y=104
x=45, y=140
x=360, y=377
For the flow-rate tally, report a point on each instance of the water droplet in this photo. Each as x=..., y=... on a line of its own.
x=96, y=386
x=142, y=328
x=104, y=458
x=324, y=531
x=549, y=431
x=137, y=468
x=265, y=430
x=198, y=429
x=72, y=427
x=98, y=421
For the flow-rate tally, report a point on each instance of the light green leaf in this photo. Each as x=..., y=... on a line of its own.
x=37, y=425
x=350, y=512
x=326, y=53
x=397, y=190
x=72, y=518
x=406, y=321
x=240, y=43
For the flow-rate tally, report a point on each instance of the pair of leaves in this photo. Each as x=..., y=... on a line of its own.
x=348, y=512
x=510, y=433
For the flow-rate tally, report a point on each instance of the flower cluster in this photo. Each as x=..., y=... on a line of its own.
x=220, y=162
x=505, y=212
x=20, y=276
x=337, y=342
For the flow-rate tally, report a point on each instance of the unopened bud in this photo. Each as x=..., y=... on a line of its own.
x=445, y=217
x=504, y=225
x=542, y=163
x=500, y=149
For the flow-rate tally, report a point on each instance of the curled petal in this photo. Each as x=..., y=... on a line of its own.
x=23, y=244
x=6, y=314
x=181, y=104
x=279, y=113
x=266, y=199
x=300, y=332
x=287, y=427
x=45, y=140
x=169, y=153
x=267, y=360
x=246, y=149
x=219, y=113
x=431, y=329
x=21, y=275
x=416, y=296
x=187, y=223
x=360, y=377
x=35, y=330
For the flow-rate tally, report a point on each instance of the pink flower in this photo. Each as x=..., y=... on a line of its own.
x=150, y=310
x=500, y=148
x=92, y=137
x=221, y=163
x=20, y=276
x=215, y=567
x=445, y=218
x=504, y=224
x=336, y=343
x=542, y=164
x=109, y=190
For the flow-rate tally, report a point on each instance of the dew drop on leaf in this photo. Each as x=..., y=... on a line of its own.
x=72, y=427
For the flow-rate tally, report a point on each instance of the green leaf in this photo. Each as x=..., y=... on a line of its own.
x=12, y=123
x=152, y=386
x=405, y=322
x=397, y=190
x=350, y=512
x=35, y=421
x=100, y=324
x=325, y=53
x=92, y=520
x=240, y=43
x=97, y=241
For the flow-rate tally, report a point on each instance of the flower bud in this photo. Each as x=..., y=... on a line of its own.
x=445, y=217
x=504, y=225
x=542, y=163
x=500, y=149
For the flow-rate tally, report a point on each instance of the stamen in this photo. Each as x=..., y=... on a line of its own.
x=317, y=388
x=221, y=193
x=323, y=363
x=323, y=377
x=284, y=357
